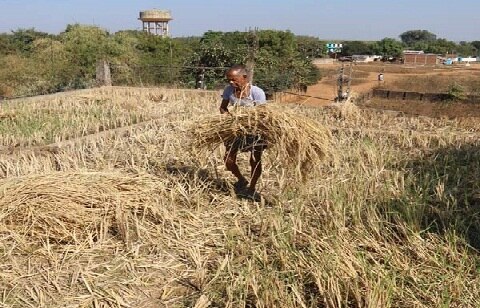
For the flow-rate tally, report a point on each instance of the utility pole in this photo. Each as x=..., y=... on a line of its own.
x=252, y=43
x=340, y=83
x=171, y=62
x=52, y=73
x=344, y=81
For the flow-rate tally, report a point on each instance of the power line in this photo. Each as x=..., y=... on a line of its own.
x=168, y=66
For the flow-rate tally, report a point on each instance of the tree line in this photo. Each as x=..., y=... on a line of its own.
x=34, y=62
x=412, y=40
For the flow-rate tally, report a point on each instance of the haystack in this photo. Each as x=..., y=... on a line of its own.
x=73, y=207
x=300, y=142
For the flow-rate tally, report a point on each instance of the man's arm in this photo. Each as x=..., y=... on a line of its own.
x=224, y=106
x=225, y=99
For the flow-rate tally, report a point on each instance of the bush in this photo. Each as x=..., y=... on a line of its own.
x=456, y=92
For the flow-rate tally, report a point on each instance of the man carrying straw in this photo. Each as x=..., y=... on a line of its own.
x=240, y=93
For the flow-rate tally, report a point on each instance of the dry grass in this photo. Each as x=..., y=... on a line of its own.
x=359, y=76
x=7, y=116
x=462, y=112
x=382, y=67
x=470, y=83
x=62, y=118
x=56, y=118
x=136, y=220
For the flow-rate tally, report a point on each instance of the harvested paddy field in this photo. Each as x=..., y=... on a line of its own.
x=106, y=203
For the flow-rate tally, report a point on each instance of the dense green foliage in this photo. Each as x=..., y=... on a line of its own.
x=357, y=48
x=388, y=47
x=311, y=47
x=34, y=62
x=279, y=61
x=412, y=37
x=414, y=40
x=429, y=43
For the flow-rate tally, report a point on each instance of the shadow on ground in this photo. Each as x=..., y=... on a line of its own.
x=443, y=193
x=192, y=173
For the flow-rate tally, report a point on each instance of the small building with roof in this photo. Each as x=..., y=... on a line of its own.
x=418, y=57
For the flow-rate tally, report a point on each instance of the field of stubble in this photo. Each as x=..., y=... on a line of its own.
x=104, y=204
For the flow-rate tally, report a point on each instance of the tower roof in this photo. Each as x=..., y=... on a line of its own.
x=155, y=15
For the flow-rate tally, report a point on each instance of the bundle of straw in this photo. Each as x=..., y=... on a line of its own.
x=300, y=142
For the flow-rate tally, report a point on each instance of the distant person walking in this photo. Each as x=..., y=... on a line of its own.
x=381, y=77
x=240, y=93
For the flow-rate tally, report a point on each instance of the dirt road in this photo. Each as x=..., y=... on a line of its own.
x=326, y=88
x=365, y=79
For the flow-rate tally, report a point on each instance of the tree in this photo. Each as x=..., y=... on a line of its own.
x=476, y=44
x=388, y=47
x=33, y=62
x=5, y=44
x=84, y=46
x=411, y=37
x=279, y=64
x=22, y=39
x=351, y=48
x=310, y=47
x=55, y=72
x=216, y=50
x=439, y=46
x=466, y=49
x=16, y=74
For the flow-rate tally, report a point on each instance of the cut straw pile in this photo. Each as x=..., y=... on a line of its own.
x=6, y=116
x=73, y=207
x=300, y=142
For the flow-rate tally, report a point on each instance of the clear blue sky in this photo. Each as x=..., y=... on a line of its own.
x=338, y=19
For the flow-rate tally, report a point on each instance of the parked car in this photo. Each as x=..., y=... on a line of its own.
x=391, y=59
x=346, y=59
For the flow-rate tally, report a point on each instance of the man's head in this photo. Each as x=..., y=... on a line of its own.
x=237, y=76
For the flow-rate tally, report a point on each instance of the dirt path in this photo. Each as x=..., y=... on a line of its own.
x=326, y=88
x=365, y=79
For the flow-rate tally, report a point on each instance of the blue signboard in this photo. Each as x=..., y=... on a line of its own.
x=334, y=47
